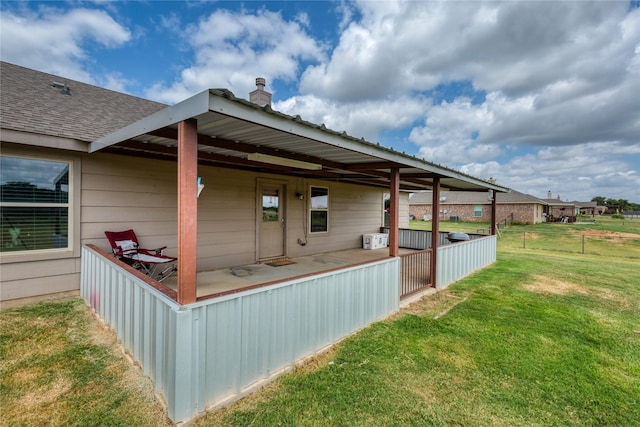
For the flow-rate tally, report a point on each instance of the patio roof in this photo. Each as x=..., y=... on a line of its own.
x=233, y=132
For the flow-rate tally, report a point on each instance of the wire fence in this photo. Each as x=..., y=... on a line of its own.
x=624, y=245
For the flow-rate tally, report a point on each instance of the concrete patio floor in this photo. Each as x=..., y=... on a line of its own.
x=242, y=276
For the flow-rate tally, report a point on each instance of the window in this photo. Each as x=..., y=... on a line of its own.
x=270, y=205
x=477, y=211
x=319, y=212
x=34, y=204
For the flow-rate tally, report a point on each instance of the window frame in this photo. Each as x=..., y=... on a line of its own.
x=316, y=209
x=72, y=205
x=476, y=211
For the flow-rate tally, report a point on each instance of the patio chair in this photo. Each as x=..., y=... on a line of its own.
x=151, y=262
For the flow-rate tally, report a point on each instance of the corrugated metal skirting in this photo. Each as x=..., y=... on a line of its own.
x=213, y=351
x=458, y=260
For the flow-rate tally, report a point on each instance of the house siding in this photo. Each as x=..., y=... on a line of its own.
x=31, y=274
x=119, y=192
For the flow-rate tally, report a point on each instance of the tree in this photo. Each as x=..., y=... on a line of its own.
x=600, y=201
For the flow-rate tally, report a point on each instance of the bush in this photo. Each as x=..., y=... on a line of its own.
x=617, y=216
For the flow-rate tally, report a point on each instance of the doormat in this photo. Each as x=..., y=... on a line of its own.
x=280, y=262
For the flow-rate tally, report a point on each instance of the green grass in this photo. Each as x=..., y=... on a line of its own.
x=59, y=367
x=604, y=237
x=541, y=338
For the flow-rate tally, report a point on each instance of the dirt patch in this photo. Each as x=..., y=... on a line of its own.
x=606, y=233
x=45, y=396
x=432, y=304
x=550, y=285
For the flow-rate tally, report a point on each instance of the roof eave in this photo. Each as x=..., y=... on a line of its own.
x=189, y=108
x=223, y=102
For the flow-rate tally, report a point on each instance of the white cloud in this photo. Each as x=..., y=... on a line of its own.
x=361, y=120
x=233, y=48
x=115, y=82
x=53, y=40
x=554, y=72
x=576, y=172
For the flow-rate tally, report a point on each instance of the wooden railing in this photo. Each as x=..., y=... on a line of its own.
x=415, y=272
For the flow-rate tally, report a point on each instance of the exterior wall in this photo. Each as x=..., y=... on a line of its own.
x=28, y=274
x=122, y=192
x=526, y=213
x=117, y=192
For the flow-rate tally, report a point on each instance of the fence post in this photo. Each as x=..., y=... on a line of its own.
x=524, y=240
x=583, y=244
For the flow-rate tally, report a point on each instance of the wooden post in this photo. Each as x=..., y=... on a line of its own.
x=435, y=230
x=394, y=212
x=493, y=214
x=187, y=210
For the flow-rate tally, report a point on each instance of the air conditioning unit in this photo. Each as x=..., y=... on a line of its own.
x=375, y=241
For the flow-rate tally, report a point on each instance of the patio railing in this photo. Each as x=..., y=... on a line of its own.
x=455, y=261
x=415, y=272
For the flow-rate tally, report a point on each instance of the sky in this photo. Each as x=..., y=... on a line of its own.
x=539, y=95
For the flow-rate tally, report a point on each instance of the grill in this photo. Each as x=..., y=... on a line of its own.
x=457, y=237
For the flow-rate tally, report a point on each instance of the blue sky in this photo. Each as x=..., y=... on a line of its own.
x=542, y=96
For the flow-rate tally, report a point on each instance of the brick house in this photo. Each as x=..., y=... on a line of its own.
x=474, y=206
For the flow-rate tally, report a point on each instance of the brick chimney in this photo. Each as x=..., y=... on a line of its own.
x=260, y=96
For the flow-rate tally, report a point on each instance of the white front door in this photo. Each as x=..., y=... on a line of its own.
x=271, y=221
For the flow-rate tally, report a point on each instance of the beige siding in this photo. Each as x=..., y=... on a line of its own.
x=41, y=273
x=119, y=192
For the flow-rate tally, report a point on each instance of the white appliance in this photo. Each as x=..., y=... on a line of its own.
x=375, y=241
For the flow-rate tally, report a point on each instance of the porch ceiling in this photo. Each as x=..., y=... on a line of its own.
x=230, y=129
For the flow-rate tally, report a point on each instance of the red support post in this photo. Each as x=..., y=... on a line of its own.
x=394, y=213
x=435, y=230
x=187, y=210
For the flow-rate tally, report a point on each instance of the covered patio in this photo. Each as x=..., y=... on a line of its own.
x=217, y=129
x=211, y=335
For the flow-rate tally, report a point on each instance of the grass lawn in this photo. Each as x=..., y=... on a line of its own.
x=59, y=367
x=542, y=338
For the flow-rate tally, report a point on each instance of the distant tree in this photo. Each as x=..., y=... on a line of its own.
x=616, y=205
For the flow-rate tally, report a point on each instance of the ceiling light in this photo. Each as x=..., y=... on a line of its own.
x=282, y=161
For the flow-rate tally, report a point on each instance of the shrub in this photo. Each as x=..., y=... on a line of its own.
x=617, y=216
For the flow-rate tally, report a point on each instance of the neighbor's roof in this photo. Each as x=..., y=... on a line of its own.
x=231, y=129
x=474, y=198
x=30, y=103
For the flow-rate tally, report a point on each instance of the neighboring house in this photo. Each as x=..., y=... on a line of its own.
x=587, y=208
x=473, y=206
x=78, y=160
x=559, y=211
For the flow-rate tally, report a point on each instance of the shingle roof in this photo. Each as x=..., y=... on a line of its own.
x=474, y=198
x=30, y=103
